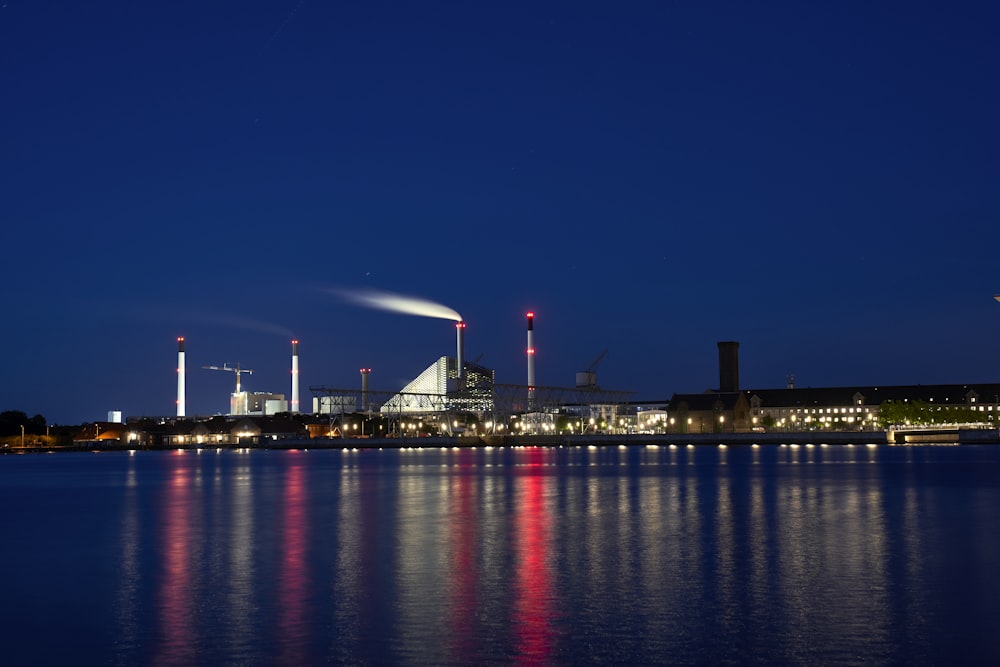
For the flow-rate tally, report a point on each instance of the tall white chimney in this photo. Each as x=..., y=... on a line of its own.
x=180, y=377
x=365, y=372
x=531, y=360
x=460, y=353
x=295, y=376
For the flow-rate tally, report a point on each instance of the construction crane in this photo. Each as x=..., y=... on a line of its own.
x=587, y=379
x=237, y=370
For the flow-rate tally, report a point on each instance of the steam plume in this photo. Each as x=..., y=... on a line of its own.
x=246, y=323
x=398, y=303
x=173, y=314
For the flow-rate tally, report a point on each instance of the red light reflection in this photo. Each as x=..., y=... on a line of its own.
x=293, y=581
x=532, y=607
x=176, y=618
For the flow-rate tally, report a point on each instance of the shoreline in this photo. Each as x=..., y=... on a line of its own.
x=927, y=437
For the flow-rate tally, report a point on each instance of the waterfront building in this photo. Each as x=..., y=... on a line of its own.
x=244, y=431
x=825, y=408
x=708, y=412
x=858, y=408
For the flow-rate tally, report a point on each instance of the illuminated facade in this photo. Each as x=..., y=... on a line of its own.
x=826, y=408
x=439, y=388
x=256, y=403
x=858, y=408
x=831, y=408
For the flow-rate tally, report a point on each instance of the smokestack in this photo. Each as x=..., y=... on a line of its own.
x=180, y=377
x=729, y=366
x=460, y=353
x=295, y=376
x=531, y=360
x=365, y=372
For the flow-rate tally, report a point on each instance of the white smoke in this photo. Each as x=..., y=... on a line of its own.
x=397, y=303
x=245, y=323
x=188, y=315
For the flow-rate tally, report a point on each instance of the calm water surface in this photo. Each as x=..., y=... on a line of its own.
x=631, y=555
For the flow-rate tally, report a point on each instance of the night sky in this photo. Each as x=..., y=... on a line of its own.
x=817, y=181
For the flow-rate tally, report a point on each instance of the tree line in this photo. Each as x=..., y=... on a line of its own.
x=11, y=422
x=922, y=413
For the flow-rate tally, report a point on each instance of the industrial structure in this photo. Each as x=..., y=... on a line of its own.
x=452, y=392
x=729, y=366
x=531, y=361
x=239, y=400
x=453, y=395
x=294, y=407
x=180, y=378
x=587, y=378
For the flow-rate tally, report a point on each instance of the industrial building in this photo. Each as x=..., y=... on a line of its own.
x=242, y=403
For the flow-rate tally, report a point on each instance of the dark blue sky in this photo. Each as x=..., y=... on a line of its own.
x=816, y=182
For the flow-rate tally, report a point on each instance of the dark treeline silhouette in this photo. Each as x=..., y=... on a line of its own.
x=11, y=422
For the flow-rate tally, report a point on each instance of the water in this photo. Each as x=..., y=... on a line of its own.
x=638, y=555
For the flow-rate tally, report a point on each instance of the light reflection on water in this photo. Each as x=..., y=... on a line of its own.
x=294, y=586
x=177, y=585
x=513, y=555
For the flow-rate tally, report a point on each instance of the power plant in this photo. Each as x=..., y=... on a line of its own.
x=454, y=395
x=451, y=385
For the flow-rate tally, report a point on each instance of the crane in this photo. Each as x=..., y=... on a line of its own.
x=237, y=370
x=587, y=378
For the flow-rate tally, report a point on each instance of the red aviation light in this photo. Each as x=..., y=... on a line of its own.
x=295, y=342
x=460, y=325
x=531, y=350
x=531, y=314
